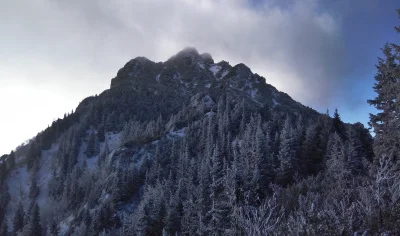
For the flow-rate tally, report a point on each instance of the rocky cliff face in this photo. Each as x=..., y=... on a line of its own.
x=189, y=73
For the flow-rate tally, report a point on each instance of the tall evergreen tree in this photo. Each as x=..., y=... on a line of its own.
x=337, y=165
x=33, y=154
x=287, y=153
x=337, y=124
x=354, y=151
x=11, y=161
x=217, y=213
x=4, y=229
x=119, y=190
x=3, y=171
x=4, y=200
x=34, y=189
x=264, y=155
x=386, y=123
x=310, y=152
x=93, y=146
x=53, y=228
x=127, y=133
x=103, y=156
x=18, y=220
x=127, y=228
x=101, y=133
x=35, y=228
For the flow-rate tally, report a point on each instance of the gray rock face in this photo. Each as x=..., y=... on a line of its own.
x=189, y=73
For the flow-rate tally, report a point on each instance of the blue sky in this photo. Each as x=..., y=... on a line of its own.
x=367, y=26
x=56, y=53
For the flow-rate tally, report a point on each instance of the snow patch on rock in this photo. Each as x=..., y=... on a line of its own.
x=253, y=93
x=275, y=102
x=64, y=225
x=210, y=113
x=215, y=69
x=113, y=140
x=201, y=64
x=224, y=74
x=179, y=133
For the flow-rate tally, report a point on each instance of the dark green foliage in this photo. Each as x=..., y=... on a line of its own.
x=53, y=229
x=287, y=154
x=4, y=229
x=103, y=156
x=18, y=219
x=93, y=146
x=3, y=172
x=34, y=189
x=34, y=153
x=101, y=133
x=4, y=200
x=337, y=163
x=355, y=152
x=103, y=218
x=366, y=140
x=311, y=154
x=217, y=213
x=11, y=161
x=34, y=226
x=120, y=193
x=386, y=122
x=57, y=128
x=337, y=123
x=69, y=148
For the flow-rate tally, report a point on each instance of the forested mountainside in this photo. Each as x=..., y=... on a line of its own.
x=193, y=147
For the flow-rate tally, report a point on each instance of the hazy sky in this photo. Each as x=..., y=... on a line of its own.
x=54, y=53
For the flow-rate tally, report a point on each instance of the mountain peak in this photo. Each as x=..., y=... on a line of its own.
x=193, y=55
x=140, y=60
x=188, y=51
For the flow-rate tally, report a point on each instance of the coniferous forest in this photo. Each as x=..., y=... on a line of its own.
x=193, y=147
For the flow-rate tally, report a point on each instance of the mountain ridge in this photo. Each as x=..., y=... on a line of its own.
x=164, y=136
x=209, y=76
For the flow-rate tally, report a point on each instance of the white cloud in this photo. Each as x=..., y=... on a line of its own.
x=64, y=51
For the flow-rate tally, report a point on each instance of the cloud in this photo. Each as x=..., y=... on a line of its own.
x=78, y=46
x=294, y=42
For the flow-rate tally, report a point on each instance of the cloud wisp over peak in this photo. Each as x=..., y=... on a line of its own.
x=296, y=42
